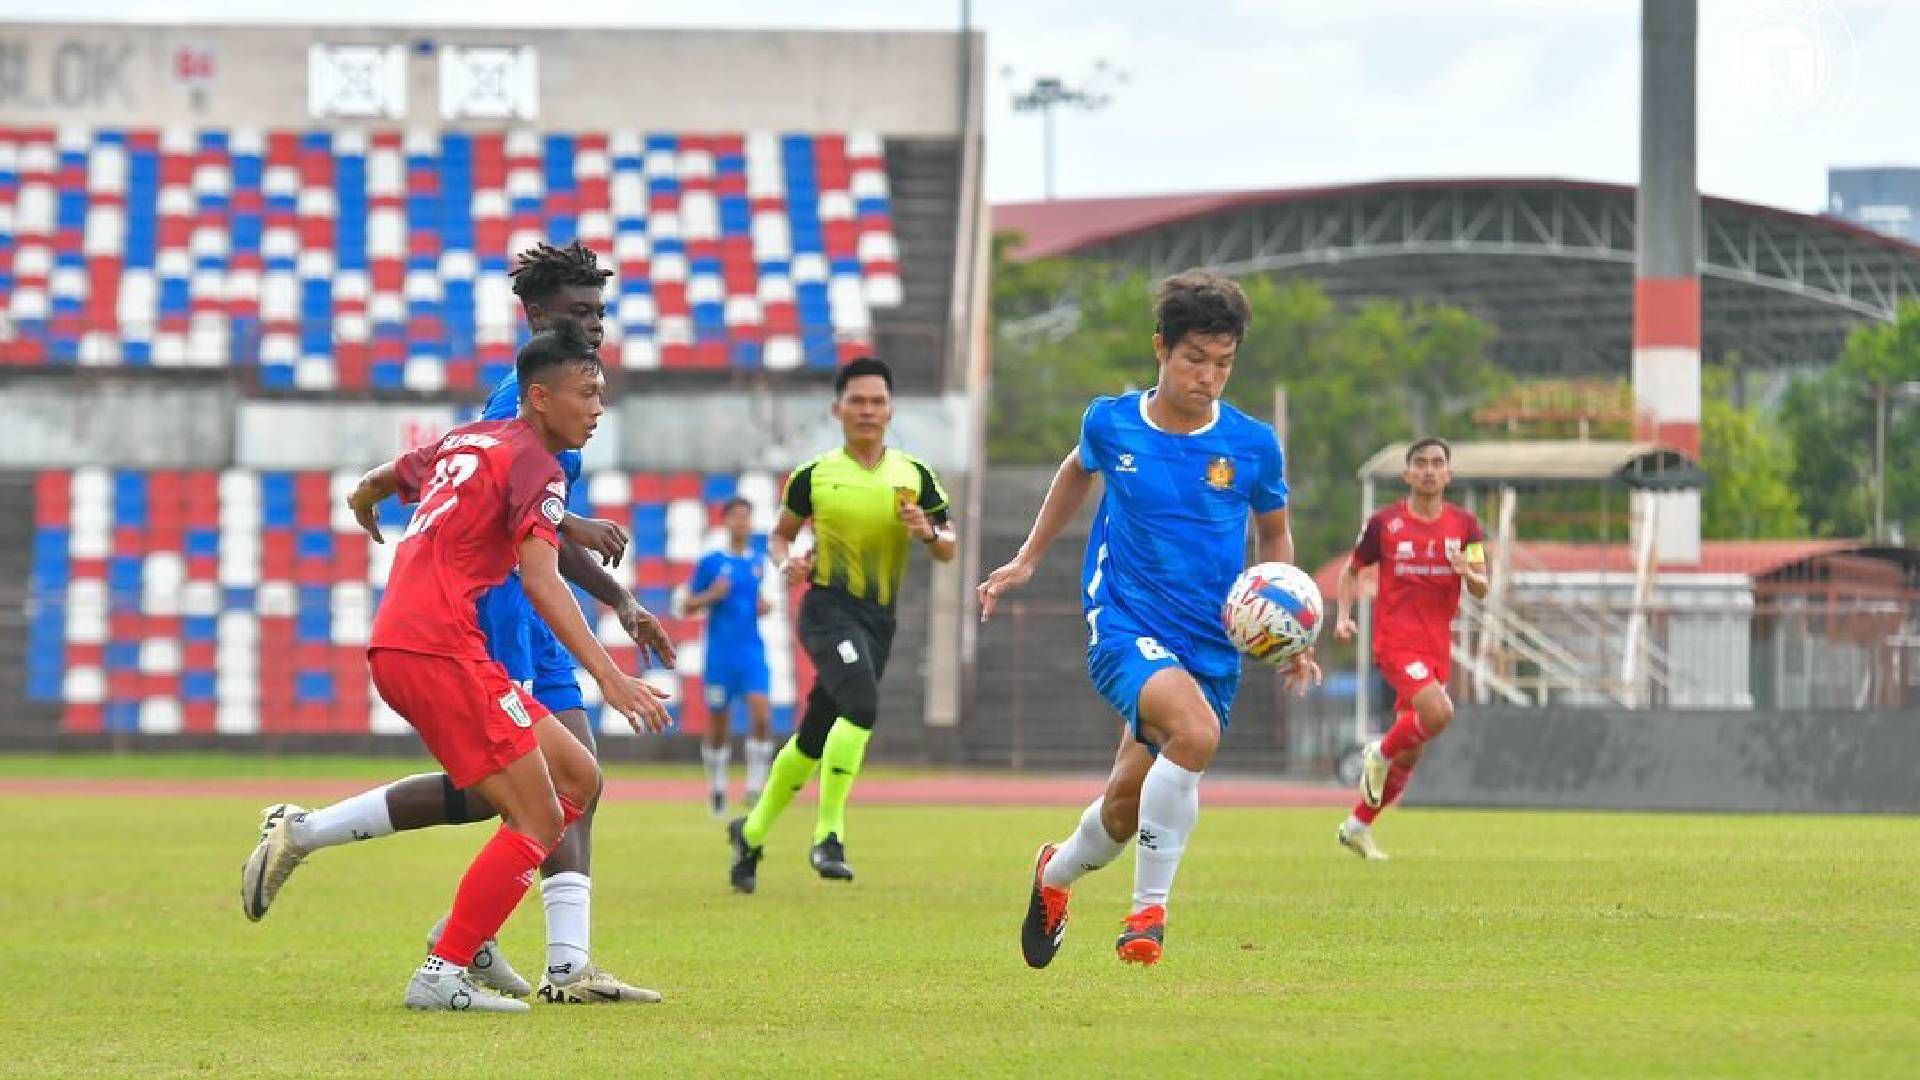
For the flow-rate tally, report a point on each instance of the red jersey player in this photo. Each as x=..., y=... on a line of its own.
x=491, y=496
x=1426, y=548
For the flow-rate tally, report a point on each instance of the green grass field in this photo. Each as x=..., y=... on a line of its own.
x=1494, y=944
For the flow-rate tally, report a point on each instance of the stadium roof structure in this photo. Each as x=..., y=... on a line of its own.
x=1535, y=464
x=1548, y=261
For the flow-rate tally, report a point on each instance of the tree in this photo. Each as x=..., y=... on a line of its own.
x=1356, y=378
x=1749, y=465
x=1830, y=418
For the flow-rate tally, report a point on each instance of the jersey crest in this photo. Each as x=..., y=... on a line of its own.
x=1220, y=473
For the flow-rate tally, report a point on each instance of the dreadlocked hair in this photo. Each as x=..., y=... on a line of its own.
x=542, y=270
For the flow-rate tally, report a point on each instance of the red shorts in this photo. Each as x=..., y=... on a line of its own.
x=474, y=719
x=1410, y=671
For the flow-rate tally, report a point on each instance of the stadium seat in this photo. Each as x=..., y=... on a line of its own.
x=240, y=602
x=347, y=260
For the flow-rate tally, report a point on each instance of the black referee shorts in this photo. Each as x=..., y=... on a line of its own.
x=849, y=641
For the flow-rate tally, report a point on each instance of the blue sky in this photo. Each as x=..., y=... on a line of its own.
x=1270, y=93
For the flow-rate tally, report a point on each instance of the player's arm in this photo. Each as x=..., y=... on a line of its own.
x=710, y=586
x=1068, y=492
x=796, y=506
x=1273, y=537
x=795, y=568
x=1273, y=542
x=639, y=702
x=374, y=487
x=402, y=476
x=598, y=535
x=578, y=565
x=1366, y=552
x=926, y=517
x=1470, y=562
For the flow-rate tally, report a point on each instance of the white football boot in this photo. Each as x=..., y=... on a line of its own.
x=1359, y=840
x=489, y=967
x=1373, y=774
x=454, y=991
x=274, y=859
x=592, y=986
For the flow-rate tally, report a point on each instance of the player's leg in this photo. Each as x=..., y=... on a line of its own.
x=1101, y=835
x=540, y=794
x=566, y=892
x=855, y=685
x=758, y=743
x=820, y=628
x=290, y=833
x=1421, y=711
x=486, y=732
x=790, y=771
x=1176, y=716
x=716, y=746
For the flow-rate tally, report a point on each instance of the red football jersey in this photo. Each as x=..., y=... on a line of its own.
x=482, y=489
x=1419, y=591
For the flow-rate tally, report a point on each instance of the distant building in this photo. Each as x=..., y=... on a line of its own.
x=1883, y=199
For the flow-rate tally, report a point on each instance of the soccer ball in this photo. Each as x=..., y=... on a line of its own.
x=1272, y=612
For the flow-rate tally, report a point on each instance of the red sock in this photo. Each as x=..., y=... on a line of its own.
x=1405, y=734
x=492, y=888
x=1397, y=777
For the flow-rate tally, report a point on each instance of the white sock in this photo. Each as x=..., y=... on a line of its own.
x=568, y=898
x=362, y=817
x=1087, y=850
x=715, y=758
x=433, y=965
x=1169, y=809
x=1354, y=824
x=759, y=760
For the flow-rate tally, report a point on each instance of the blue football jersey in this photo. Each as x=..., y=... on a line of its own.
x=504, y=404
x=734, y=622
x=1171, y=532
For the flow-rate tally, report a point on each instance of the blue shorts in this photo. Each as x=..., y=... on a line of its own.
x=1121, y=658
x=519, y=639
x=732, y=673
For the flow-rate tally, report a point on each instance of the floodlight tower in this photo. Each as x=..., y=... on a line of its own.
x=1049, y=92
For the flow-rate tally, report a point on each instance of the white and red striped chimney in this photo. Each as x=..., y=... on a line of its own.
x=1666, y=287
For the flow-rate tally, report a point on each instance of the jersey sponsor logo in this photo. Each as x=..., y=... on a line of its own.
x=1220, y=473
x=848, y=654
x=1416, y=670
x=515, y=709
x=553, y=510
x=1125, y=464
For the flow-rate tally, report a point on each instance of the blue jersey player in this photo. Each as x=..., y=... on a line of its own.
x=727, y=586
x=554, y=285
x=1184, y=471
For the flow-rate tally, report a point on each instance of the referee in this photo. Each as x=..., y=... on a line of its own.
x=868, y=503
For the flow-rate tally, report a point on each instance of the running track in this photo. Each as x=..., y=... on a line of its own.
x=951, y=789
